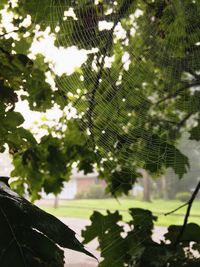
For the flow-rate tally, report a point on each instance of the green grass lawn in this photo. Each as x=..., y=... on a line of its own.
x=84, y=208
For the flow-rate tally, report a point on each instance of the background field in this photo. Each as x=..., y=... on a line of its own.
x=84, y=209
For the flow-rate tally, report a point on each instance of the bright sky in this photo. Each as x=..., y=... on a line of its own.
x=62, y=60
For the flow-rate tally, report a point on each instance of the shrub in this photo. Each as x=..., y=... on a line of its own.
x=96, y=192
x=81, y=195
x=183, y=196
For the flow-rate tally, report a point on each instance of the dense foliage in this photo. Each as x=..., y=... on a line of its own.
x=29, y=236
x=135, y=95
x=134, y=246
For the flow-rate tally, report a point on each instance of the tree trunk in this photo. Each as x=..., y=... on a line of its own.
x=56, y=202
x=147, y=187
x=164, y=188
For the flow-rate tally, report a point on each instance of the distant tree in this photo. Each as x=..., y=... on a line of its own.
x=173, y=185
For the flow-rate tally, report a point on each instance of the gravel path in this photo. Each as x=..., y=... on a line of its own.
x=75, y=259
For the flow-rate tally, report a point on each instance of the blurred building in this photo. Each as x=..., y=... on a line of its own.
x=78, y=183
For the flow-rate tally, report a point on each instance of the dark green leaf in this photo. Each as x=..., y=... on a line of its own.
x=191, y=233
x=17, y=213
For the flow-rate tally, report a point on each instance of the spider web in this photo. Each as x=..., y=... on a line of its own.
x=106, y=131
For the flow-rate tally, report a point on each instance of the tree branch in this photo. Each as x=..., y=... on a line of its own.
x=91, y=99
x=180, y=207
x=5, y=33
x=189, y=203
x=193, y=73
x=176, y=93
x=183, y=121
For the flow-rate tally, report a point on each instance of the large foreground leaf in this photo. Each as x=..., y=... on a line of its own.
x=29, y=236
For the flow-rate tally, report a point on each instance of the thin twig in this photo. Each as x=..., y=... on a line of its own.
x=91, y=99
x=190, y=202
x=194, y=74
x=183, y=121
x=5, y=33
x=176, y=93
x=180, y=207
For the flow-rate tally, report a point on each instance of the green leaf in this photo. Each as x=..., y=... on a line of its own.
x=74, y=136
x=143, y=222
x=195, y=132
x=25, y=134
x=16, y=214
x=100, y=224
x=36, y=249
x=40, y=11
x=108, y=232
x=191, y=233
x=23, y=45
x=2, y=3
x=13, y=119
